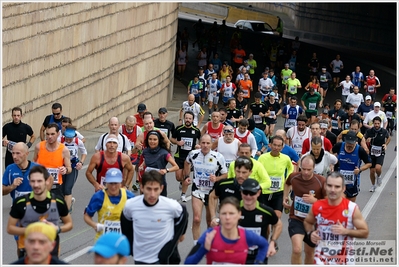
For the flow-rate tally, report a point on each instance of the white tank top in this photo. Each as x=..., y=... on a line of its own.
x=229, y=151
x=298, y=138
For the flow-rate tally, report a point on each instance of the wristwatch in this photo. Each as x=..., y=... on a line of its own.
x=167, y=170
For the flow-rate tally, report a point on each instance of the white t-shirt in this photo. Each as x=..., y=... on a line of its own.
x=355, y=99
x=153, y=226
x=324, y=165
x=346, y=87
x=265, y=85
x=371, y=115
x=229, y=151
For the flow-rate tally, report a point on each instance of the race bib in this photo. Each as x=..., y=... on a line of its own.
x=131, y=144
x=112, y=226
x=257, y=119
x=20, y=193
x=326, y=233
x=102, y=180
x=272, y=113
x=334, y=124
x=10, y=145
x=54, y=172
x=205, y=185
x=389, y=114
x=301, y=208
x=188, y=143
x=228, y=162
x=370, y=89
x=286, y=78
x=323, y=78
x=275, y=183
x=290, y=123
x=245, y=92
x=148, y=169
x=349, y=176
x=376, y=151
x=314, y=69
x=255, y=230
x=312, y=106
x=194, y=91
x=293, y=89
x=165, y=131
x=73, y=152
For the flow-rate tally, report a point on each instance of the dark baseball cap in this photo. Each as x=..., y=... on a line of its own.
x=162, y=110
x=250, y=185
x=350, y=137
x=141, y=108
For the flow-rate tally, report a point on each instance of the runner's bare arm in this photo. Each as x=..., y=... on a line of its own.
x=128, y=166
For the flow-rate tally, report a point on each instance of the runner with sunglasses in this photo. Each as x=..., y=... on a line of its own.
x=229, y=187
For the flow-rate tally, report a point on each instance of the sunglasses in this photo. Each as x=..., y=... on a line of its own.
x=243, y=160
x=248, y=193
x=228, y=130
x=56, y=114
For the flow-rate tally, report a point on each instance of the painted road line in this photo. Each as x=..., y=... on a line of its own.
x=373, y=199
x=77, y=254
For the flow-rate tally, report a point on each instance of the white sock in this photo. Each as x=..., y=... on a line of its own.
x=195, y=242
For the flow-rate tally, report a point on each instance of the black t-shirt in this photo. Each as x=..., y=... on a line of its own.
x=241, y=104
x=332, y=137
x=272, y=107
x=19, y=205
x=17, y=132
x=262, y=216
x=378, y=138
x=163, y=126
x=346, y=120
x=226, y=188
x=389, y=107
x=48, y=118
x=256, y=109
x=190, y=136
x=233, y=113
x=362, y=154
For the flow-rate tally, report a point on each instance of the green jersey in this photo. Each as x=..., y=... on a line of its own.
x=311, y=101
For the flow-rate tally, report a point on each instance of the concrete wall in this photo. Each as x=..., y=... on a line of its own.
x=97, y=59
x=351, y=24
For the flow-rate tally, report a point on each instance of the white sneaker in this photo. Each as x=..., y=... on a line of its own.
x=372, y=188
x=379, y=181
x=183, y=198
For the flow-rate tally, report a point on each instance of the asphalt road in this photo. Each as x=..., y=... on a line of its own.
x=379, y=208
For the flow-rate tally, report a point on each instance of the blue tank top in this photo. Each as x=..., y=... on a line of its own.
x=347, y=164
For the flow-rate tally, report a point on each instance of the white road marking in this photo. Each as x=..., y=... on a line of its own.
x=373, y=199
x=77, y=254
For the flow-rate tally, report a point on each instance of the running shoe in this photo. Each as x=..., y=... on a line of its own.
x=183, y=198
x=379, y=181
x=372, y=188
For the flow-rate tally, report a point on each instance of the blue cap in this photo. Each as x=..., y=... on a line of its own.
x=272, y=94
x=113, y=175
x=70, y=133
x=110, y=244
